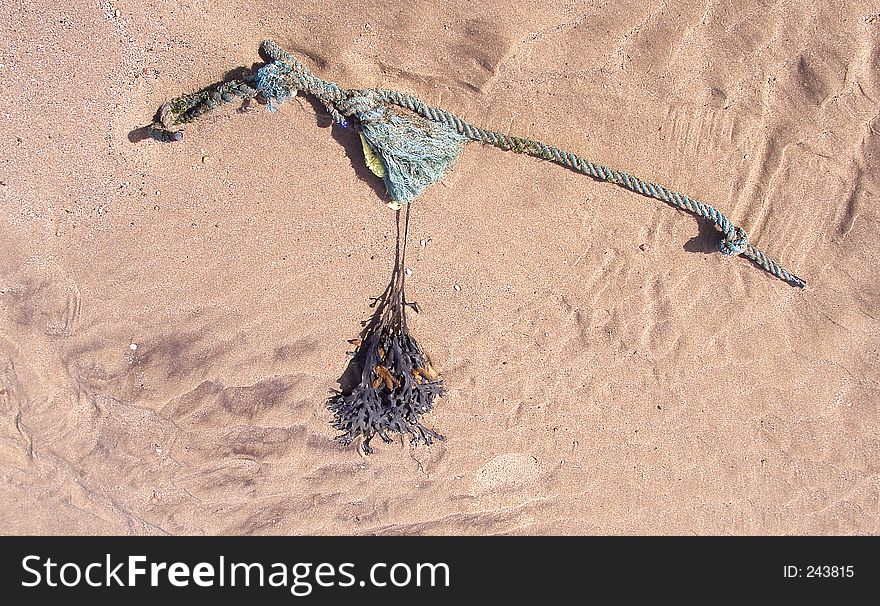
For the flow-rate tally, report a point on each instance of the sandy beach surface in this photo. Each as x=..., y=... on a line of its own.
x=174, y=316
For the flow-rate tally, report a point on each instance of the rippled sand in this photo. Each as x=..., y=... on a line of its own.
x=173, y=316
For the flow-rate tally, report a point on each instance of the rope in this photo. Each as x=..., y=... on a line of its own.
x=188, y=108
x=285, y=75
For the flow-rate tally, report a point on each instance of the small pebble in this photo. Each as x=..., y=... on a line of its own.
x=643, y=247
x=205, y=159
x=457, y=288
x=407, y=271
x=133, y=346
x=117, y=13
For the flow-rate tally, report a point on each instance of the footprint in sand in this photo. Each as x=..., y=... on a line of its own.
x=505, y=473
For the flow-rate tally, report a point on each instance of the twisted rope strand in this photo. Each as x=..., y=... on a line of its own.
x=286, y=75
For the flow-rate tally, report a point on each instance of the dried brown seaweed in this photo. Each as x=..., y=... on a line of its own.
x=390, y=382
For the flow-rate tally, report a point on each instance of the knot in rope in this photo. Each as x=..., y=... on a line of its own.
x=363, y=105
x=735, y=242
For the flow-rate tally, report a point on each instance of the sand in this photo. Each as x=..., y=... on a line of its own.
x=174, y=316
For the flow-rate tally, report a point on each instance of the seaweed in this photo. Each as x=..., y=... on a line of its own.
x=390, y=382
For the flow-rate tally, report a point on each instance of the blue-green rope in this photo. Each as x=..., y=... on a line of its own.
x=286, y=75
